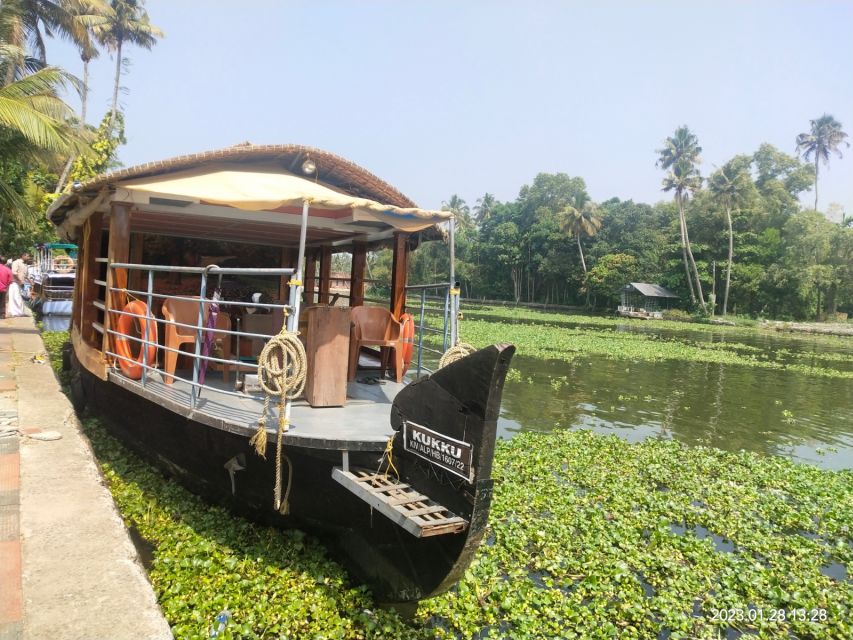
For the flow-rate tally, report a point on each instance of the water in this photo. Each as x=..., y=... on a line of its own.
x=731, y=407
x=56, y=323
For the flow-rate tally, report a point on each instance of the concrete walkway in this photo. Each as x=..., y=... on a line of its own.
x=68, y=569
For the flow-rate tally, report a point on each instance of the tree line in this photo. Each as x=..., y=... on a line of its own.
x=737, y=241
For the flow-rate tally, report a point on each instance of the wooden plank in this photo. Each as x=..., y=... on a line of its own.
x=394, y=487
x=327, y=348
x=381, y=476
x=415, y=497
x=438, y=531
x=439, y=522
x=426, y=520
x=436, y=508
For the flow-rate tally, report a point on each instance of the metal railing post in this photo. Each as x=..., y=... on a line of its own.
x=421, y=331
x=447, y=299
x=198, y=339
x=145, y=342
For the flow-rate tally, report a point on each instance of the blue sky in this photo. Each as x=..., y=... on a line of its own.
x=472, y=97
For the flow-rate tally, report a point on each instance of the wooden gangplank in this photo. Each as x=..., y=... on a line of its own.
x=413, y=511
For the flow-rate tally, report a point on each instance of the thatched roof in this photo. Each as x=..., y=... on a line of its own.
x=331, y=169
x=71, y=209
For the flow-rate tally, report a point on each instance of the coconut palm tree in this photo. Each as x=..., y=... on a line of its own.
x=86, y=17
x=729, y=185
x=580, y=222
x=35, y=124
x=825, y=137
x=679, y=157
x=484, y=208
x=128, y=24
x=461, y=211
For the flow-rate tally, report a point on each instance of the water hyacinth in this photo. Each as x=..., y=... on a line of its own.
x=589, y=537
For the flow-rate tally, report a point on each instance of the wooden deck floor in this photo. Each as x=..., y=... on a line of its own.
x=363, y=424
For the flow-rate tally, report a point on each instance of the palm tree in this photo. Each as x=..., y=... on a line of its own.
x=34, y=124
x=461, y=212
x=484, y=208
x=825, y=137
x=680, y=156
x=580, y=222
x=729, y=186
x=128, y=24
x=86, y=17
x=21, y=23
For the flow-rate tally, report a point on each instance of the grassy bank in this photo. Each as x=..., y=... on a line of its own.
x=590, y=537
x=561, y=337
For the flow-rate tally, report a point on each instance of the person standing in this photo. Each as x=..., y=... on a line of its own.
x=6, y=279
x=14, y=299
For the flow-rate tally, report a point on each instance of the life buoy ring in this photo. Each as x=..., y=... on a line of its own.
x=128, y=326
x=407, y=335
x=63, y=264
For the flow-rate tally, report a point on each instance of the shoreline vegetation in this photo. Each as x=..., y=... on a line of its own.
x=557, y=336
x=589, y=537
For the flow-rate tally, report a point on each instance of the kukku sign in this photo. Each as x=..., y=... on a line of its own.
x=443, y=451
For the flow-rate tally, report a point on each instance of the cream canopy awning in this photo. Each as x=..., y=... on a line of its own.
x=269, y=190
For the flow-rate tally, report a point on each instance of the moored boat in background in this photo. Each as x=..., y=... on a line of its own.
x=52, y=276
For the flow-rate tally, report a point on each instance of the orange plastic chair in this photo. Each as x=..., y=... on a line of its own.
x=375, y=327
x=186, y=312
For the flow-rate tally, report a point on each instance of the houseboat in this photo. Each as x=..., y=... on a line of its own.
x=52, y=276
x=203, y=329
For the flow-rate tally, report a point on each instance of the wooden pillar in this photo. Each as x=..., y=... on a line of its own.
x=289, y=256
x=310, y=277
x=91, y=248
x=356, y=285
x=325, y=274
x=117, y=251
x=399, y=269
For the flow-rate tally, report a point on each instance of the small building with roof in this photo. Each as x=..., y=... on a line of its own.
x=644, y=300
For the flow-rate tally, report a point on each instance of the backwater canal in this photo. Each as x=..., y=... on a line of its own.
x=806, y=418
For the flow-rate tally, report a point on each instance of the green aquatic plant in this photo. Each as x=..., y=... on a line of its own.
x=556, y=342
x=589, y=537
x=592, y=537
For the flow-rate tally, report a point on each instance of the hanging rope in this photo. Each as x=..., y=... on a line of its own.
x=282, y=366
x=388, y=456
x=460, y=349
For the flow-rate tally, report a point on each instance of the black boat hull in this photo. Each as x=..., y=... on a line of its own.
x=461, y=401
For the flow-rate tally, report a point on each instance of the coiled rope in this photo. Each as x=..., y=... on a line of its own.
x=282, y=366
x=460, y=349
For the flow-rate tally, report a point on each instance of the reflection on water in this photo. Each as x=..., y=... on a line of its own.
x=806, y=418
x=55, y=323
